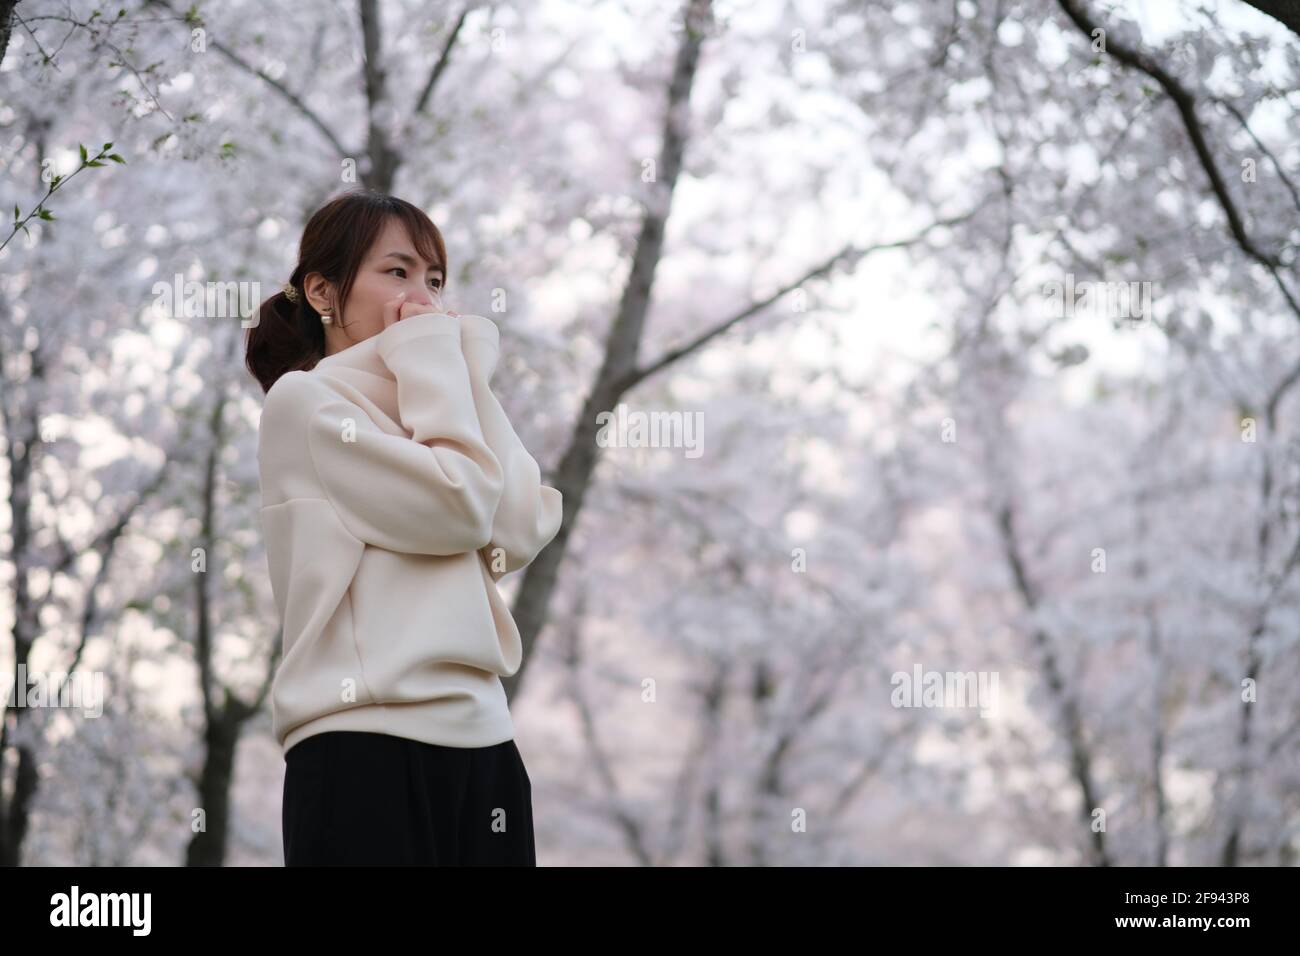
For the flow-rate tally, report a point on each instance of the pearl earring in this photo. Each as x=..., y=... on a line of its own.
x=326, y=318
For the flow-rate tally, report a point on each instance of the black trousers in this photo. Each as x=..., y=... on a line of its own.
x=354, y=798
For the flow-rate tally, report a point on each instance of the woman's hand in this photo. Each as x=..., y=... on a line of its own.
x=397, y=308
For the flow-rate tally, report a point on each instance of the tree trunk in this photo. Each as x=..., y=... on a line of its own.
x=579, y=462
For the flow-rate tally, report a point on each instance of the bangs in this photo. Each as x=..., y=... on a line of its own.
x=424, y=236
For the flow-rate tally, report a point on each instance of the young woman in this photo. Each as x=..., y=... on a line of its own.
x=395, y=494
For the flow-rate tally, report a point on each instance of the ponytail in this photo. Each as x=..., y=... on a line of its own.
x=288, y=336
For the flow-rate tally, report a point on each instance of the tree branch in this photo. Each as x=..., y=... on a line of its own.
x=1185, y=102
x=1285, y=12
x=849, y=255
x=294, y=100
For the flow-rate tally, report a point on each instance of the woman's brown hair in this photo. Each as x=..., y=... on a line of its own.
x=289, y=335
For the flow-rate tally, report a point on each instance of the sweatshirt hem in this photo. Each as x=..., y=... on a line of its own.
x=423, y=721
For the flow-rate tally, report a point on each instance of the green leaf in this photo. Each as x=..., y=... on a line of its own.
x=46, y=215
x=94, y=162
x=83, y=152
x=17, y=214
x=116, y=158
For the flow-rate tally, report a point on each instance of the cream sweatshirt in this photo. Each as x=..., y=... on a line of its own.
x=395, y=494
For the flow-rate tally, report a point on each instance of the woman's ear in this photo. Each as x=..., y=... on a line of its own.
x=319, y=292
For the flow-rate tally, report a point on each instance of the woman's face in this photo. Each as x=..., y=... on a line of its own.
x=391, y=266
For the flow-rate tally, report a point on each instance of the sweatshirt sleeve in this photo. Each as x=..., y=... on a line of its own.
x=529, y=513
x=435, y=492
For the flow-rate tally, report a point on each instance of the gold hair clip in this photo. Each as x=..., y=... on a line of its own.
x=289, y=291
